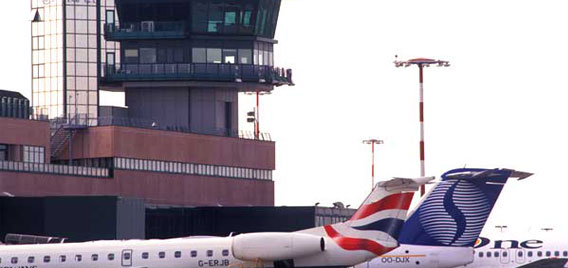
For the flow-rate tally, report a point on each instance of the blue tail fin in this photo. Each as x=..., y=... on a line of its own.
x=455, y=211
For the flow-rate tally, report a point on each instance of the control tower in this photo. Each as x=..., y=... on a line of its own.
x=182, y=63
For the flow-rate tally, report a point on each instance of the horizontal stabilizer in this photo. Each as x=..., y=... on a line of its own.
x=404, y=184
x=521, y=175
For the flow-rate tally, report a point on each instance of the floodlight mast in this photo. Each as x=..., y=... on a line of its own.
x=373, y=142
x=421, y=63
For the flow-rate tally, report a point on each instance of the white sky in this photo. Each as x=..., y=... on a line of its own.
x=501, y=104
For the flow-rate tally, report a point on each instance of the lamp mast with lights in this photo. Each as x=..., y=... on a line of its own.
x=373, y=142
x=421, y=63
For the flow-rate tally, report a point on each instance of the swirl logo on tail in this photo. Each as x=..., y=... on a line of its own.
x=455, y=213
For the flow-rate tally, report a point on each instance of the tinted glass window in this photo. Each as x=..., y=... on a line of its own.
x=245, y=56
x=193, y=253
x=481, y=254
x=78, y=258
x=539, y=253
x=162, y=255
x=177, y=254
x=556, y=253
x=131, y=55
x=31, y=259
x=95, y=257
x=496, y=254
x=199, y=55
x=210, y=253
x=110, y=257
x=225, y=252
x=3, y=152
x=530, y=254
x=488, y=254
x=548, y=254
x=147, y=55
x=145, y=255
x=216, y=17
x=14, y=260
x=199, y=15
x=62, y=258
x=214, y=55
x=229, y=55
x=46, y=259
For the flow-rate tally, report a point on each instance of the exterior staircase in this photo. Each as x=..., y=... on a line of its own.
x=59, y=139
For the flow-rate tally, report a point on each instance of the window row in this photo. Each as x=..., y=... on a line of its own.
x=198, y=55
x=47, y=56
x=81, y=40
x=194, y=169
x=34, y=154
x=520, y=253
x=126, y=255
x=47, y=42
x=77, y=11
x=53, y=169
x=234, y=17
x=47, y=70
x=47, y=28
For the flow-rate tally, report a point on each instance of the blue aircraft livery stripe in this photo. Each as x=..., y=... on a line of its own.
x=391, y=226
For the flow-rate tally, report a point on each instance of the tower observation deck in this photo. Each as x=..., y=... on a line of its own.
x=182, y=62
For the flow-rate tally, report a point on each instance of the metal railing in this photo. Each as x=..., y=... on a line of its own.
x=199, y=71
x=152, y=124
x=145, y=30
x=82, y=121
x=54, y=169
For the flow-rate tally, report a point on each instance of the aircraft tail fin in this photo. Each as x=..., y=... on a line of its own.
x=376, y=225
x=454, y=212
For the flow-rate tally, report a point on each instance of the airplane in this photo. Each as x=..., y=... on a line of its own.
x=544, y=251
x=442, y=230
x=372, y=231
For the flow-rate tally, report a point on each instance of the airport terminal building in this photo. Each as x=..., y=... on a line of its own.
x=171, y=161
x=181, y=65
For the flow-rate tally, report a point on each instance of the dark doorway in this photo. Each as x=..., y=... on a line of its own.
x=228, y=118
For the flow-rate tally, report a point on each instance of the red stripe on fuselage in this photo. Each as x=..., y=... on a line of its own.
x=350, y=243
x=393, y=201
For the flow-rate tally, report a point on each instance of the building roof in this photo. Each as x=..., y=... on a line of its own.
x=12, y=94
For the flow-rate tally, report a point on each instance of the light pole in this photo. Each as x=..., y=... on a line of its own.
x=421, y=63
x=501, y=227
x=257, y=112
x=372, y=142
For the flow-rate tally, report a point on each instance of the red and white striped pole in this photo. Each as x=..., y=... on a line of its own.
x=421, y=63
x=373, y=142
x=373, y=165
x=422, y=166
x=257, y=125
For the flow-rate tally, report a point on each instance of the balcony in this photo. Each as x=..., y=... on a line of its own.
x=145, y=30
x=210, y=72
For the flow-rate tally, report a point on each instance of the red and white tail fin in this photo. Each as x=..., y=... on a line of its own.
x=377, y=223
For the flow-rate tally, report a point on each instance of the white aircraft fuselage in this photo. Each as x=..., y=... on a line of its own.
x=508, y=253
x=412, y=256
x=194, y=252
